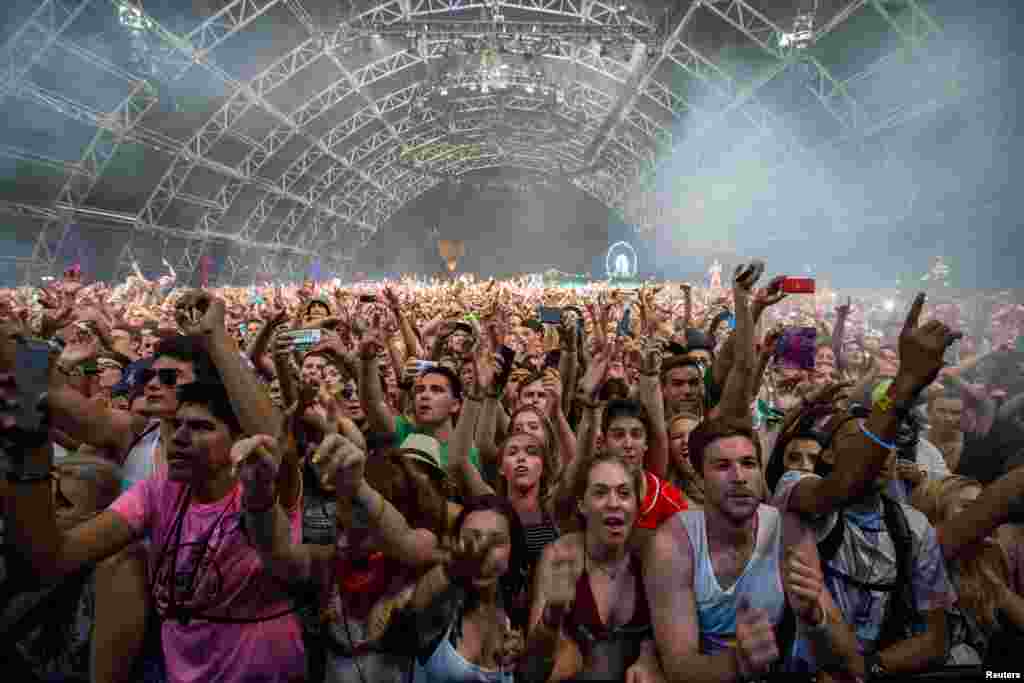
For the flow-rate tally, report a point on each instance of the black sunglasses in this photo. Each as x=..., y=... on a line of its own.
x=168, y=376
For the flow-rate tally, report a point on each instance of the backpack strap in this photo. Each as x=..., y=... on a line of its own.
x=829, y=546
x=902, y=611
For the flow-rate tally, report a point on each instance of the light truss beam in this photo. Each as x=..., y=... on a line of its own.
x=83, y=177
x=638, y=81
x=199, y=53
x=55, y=214
x=154, y=140
x=582, y=11
x=34, y=39
x=201, y=56
x=315, y=107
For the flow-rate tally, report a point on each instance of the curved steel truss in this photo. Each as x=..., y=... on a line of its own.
x=410, y=93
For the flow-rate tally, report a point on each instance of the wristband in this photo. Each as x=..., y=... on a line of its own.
x=864, y=430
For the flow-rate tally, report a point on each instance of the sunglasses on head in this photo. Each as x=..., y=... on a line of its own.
x=168, y=376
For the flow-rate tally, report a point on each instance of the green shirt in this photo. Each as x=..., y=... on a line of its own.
x=403, y=428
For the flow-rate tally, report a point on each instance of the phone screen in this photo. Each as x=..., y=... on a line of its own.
x=624, y=324
x=508, y=359
x=549, y=315
x=32, y=377
x=796, y=348
x=303, y=340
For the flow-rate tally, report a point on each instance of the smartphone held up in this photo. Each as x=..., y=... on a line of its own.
x=798, y=285
x=796, y=348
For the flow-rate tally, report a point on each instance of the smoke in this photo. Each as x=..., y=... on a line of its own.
x=930, y=176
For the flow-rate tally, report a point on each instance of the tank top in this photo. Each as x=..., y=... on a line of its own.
x=608, y=652
x=141, y=461
x=446, y=665
x=760, y=582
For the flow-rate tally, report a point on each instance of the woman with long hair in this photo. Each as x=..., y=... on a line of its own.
x=979, y=570
x=454, y=621
x=590, y=618
x=680, y=471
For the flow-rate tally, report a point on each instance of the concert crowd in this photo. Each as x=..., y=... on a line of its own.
x=479, y=481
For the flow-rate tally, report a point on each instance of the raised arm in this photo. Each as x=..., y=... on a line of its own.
x=862, y=447
x=371, y=393
x=839, y=331
x=250, y=401
x=553, y=592
x=650, y=396
x=981, y=518
x=266, y=522
x=412, y=344
x=462, y=440
x=83, y=419
x=735, y=399
x=32, y=524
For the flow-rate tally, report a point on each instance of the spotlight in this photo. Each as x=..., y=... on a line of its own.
x=889, y=305
x=444, y=91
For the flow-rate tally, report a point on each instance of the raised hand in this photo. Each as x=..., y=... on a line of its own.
x=83, y=346
x=746, y=276
x=756, y=648
x=650, y=357
x=466, y=559
x=828, y=393
x=804, y=585
x=552, y=383
x=340, y=464
x=558, y=578
x=256, y=461
x=769, y=295
x=922, y=348
x=513, y=645
x=372, y=341
x=391, y=298
x=200, y=313
x=567, y=333
x=597, y=371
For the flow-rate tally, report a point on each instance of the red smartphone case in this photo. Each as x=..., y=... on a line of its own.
x=798, y=285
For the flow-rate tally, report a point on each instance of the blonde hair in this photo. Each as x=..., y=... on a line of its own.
x=975, y=569
x=688, y=479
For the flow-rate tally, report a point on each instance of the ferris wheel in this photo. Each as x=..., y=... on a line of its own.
x=620, y=261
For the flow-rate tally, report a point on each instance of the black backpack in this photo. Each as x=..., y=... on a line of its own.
x=901, y=612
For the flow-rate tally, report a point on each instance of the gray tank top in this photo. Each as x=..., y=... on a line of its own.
x=140, y=463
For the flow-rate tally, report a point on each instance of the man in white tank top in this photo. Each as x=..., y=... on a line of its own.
x=724, y=574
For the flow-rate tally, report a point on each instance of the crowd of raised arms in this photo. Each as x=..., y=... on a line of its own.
x=408, y=481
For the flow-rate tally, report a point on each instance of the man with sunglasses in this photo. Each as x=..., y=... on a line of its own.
x=131, y=439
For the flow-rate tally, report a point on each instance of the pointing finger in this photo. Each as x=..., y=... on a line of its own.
x=915, y=313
